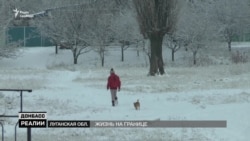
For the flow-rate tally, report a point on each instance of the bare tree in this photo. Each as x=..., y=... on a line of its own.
x=156, y=18
x=231, y=18
x=127, y=30
x=2, y=20
x=146, y=49
x=100, y=32
x=75, y=20
x=101, y=35
x=6, y=18
x=6, y=14
x=194, y=28
x=66, y=26
x=173, y=42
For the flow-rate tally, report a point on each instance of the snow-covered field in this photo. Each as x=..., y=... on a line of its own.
x=216, y=91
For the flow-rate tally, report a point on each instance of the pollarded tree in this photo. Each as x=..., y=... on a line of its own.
x=156, y=18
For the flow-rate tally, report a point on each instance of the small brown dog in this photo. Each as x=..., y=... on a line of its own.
x=137, y=105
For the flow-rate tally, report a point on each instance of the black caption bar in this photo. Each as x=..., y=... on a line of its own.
x=68, y=124
x=24, y=123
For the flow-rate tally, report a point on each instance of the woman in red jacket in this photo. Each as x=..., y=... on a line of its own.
x=113, y=84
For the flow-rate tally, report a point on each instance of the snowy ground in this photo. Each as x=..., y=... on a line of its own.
x=216, y=90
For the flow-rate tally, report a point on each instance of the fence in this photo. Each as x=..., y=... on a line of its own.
x=16, y=116
x=26, y=36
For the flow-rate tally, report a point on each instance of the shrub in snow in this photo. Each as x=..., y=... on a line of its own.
x=239, y=57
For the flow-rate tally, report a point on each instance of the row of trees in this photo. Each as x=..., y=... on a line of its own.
x=204, y=22
x=198, y=23
x=85, y=26
x=97, y=24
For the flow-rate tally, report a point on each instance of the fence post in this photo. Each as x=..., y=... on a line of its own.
x=2, y=130
x=28, y=134
x=24, y=36
x=16, y=131
x=21, y=110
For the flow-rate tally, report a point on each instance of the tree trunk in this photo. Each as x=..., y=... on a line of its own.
x=75, y=60
x=75, y=56
x=229, y=46
x=156, y=61
x=56, y=49
x=194, y=56
x=122, y=51
x=103, y=61
x=137, y=48
x=102, y=56
x=173, y=55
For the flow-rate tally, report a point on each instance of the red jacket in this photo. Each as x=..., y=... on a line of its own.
x=113, y=82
